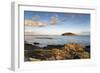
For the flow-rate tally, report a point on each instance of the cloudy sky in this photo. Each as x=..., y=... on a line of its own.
x=56, y=23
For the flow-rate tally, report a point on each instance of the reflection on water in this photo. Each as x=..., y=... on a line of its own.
x=44, y=40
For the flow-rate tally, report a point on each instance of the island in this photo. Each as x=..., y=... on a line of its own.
x=69, y=34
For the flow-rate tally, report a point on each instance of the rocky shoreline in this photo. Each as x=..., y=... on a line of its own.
x=56, y=52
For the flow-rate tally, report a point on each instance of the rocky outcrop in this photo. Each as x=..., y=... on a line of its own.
x=70, y=51
x=64, y=52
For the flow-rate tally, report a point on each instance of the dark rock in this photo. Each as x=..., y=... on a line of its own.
x=36, y=43
x=53, y=46
x=87, y=48
x=28, y=46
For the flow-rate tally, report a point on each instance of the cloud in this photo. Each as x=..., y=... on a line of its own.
x=35, y=18
x=85, y=33
x=34, y=23
x=54, y=20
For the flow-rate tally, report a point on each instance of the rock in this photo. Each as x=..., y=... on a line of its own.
x=67, y=51
x=51, y=58
x=33, y=59
x=36, y=43
x=58, y=54
x=53, y=46
x=83, y=55
x=87, y=48
x=55, y=53
x=76, y=51
x=80, y=50
x=68, y=47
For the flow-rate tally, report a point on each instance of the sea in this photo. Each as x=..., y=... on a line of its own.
x=44, y=40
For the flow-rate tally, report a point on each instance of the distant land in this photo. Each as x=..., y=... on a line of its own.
x=68, y=34
x=63, y=34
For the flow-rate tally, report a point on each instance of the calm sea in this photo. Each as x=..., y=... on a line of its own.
x=45, y=40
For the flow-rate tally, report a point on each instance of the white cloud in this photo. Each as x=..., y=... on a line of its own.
x=54, y=20
x=35, y=18
x=34, y=23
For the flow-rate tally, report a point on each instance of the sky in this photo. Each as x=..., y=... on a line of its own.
x=56, y=23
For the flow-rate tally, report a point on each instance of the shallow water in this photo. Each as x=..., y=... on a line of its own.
x=45, y=40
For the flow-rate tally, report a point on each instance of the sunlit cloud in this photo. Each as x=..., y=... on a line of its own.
x=85, y=33
x=34, y=23
x=54, y=20
x=35, y=18
x=52, y=23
